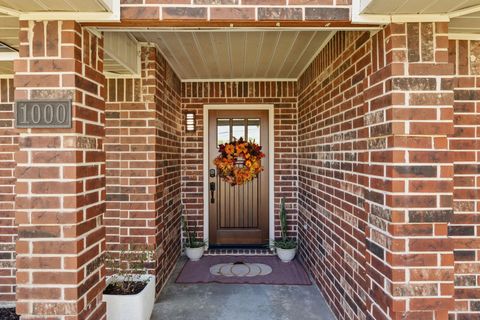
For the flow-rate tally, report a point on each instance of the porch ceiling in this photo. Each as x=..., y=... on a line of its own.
x=6, y=67
x=56, y=5
x=391, y=7
x=238, y=54
x=468, y=24
x=9, y=30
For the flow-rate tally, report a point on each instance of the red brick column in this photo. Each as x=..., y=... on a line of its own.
x=60, y=176
x=464, y=228
x=409, y=114
x=143, y=135
x=8, y=230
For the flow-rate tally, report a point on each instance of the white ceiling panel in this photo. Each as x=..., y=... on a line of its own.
x=122, y=54
x=469, y=24
x=197, y=55
x=56, y=5
x=113, y=67
x=6, y=67
x=416, y=6
x=9, y=30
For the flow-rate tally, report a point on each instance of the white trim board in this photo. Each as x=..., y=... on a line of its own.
x=464, y=12
x=234, y=29
x=240, y=80
x=464, y=36
x=8, y=56
x=10, y=12
x=111, y=75
x=271, y=159
x=108, y=16
x=76, y=16
x=358, y=17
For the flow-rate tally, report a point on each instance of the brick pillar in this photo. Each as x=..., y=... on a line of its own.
x=143, y=164
x=465, y=145
x=409, y=114
x=60, y=176
x=8, y=231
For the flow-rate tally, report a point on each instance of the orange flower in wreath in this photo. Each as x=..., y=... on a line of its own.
x=241, y=148
x=239, y=161
x=229, y=149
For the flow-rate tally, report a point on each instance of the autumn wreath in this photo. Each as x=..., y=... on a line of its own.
x=239, y=161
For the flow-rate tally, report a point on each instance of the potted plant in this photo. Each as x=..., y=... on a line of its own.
x=286, y=247
x=194, y=247
x=130, y=291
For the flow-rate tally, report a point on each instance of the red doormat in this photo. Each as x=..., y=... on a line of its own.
x=243, y=270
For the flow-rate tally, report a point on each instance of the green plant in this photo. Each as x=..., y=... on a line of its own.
x=284, y=242
x=127, y=268
x=191, y=239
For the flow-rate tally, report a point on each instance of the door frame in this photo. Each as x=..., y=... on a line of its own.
x=271, y=160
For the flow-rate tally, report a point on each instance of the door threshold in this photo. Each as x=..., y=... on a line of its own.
x=239, y=251
x=240, y=246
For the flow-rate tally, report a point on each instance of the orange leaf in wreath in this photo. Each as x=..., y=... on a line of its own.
x=229, y=149
x=234, y=171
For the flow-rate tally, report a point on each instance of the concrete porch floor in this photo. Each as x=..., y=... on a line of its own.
x=239, y=302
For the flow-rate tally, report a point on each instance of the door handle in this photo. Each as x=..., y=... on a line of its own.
x=212, y=192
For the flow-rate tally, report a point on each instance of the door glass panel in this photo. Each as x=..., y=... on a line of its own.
x=223, y=131
x=254, y=130
x=238, y=128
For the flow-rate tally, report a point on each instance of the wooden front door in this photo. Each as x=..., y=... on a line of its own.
x=238, y=215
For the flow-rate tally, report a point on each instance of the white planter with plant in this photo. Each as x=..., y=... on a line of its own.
x=286, y=247
x=194, y=254
x=137, y=306
x=194, y=247
x=130, y=292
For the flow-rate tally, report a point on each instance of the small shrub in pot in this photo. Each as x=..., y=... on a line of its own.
x=194, y=247
x=286, y=247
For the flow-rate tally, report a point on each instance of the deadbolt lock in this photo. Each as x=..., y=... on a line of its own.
x=212, y=173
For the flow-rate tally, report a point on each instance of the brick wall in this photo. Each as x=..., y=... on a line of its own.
x=283, y=96
x=143, y=163
x=464, y=143
x=376, y=176
x=8, y=231
x=196, y=12
x=60, y=193
x=331, y=153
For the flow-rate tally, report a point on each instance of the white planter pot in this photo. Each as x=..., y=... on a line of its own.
x=286, y=255
x=131, y=307
x=194, y=254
